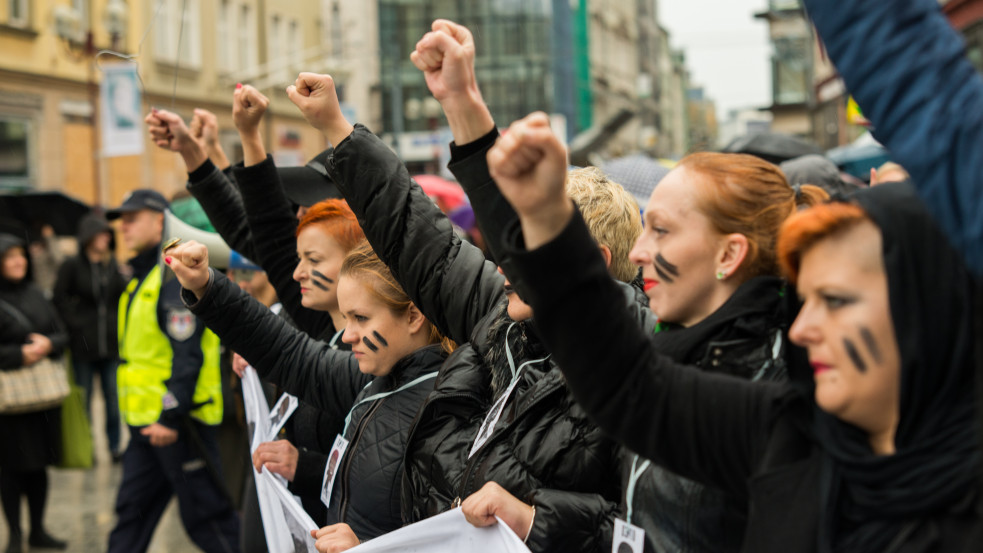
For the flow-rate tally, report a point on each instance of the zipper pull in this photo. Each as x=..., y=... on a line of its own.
x=456, y=503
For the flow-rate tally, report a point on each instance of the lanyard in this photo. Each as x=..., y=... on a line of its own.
x=632, y=480
x=348, y=418
x=334, y=339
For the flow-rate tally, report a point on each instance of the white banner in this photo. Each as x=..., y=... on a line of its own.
x=120, y=111
x=446, y=533
x=286, y=525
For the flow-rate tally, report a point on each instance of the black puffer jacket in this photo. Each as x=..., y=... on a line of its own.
x=366, y=492
x=543, y=449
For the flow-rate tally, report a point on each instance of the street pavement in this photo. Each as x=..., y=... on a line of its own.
x=81, y=504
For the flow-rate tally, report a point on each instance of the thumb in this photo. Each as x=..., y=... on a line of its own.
x=145, y=431
x=296, y=97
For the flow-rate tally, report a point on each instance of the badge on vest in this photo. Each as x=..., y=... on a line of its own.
x=331, y=470
x=628, y=538
x=181, y=324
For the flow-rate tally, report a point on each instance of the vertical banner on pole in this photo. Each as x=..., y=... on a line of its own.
x=120, y=111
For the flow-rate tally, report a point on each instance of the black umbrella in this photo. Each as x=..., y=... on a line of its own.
x=637, y=173
x=33, y=209
x=772, y=146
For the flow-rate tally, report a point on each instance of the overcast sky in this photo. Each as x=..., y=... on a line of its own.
x=727, y=49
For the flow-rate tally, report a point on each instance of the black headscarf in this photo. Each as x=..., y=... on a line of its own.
x=869, y=500
x=8, y=242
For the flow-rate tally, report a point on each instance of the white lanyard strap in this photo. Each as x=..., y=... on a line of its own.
x=632, y=480
x=334, y=339
x=408, y=385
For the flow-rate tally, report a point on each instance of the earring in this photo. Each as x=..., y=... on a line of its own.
x=721, y=275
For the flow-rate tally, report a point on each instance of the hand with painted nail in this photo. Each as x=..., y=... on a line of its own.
x=317, y=99
x=529, y=164
x=279, y=457
x=248, y=107
x=189, y=261
x=334, y=538
x=492, y=500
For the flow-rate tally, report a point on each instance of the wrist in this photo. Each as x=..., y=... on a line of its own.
x=194, y=156
x=338, y=131
x=467, y=116
x=253, y=151
x=546, y=223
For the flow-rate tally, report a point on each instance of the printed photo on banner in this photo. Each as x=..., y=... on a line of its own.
x=120, y=111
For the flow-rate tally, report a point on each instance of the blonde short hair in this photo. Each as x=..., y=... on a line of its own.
x=612, y=215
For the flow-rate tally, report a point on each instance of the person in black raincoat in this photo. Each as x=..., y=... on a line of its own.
x=29, y=331
x=87, y=297
x=880, y=456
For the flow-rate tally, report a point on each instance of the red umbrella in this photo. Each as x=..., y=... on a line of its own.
x=446, y=194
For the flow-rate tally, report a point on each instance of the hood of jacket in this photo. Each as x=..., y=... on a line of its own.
x=89, y=227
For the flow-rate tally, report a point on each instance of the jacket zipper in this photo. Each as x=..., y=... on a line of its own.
x=101, y=310
x=350, y=454
x=468, y=477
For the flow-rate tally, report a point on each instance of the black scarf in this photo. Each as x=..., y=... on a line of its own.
x=522, y=342
x=754, y=310
x=871, y=501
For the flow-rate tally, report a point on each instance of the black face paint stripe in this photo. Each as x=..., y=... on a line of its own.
x=851, y=350
x=380, y=338
x=368, y=343
x=319, y=285
x=875, y=350
x=318, y=274
x=669, y=267
x=663, y=275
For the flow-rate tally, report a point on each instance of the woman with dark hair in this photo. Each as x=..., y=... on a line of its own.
x=879, y=455
x=29, y=332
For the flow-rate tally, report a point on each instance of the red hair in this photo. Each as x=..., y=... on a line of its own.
x=337, y=219
x=804, y=229
x=743, y=194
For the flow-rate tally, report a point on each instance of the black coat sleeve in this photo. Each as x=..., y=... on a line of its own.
x=309, y=474
x=221, y=201
x=174, y=320
x=707, y=427
x=492, y=211
x=274, y=226
x=449, y=280
x=571, y=521
x=63, y=296
x=325, y=378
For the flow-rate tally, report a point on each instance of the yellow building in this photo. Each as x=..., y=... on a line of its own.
x=52, y=65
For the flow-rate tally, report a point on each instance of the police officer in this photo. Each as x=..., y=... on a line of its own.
x=170, y=396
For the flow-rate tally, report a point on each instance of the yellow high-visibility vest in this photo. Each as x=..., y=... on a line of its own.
x=146, y=355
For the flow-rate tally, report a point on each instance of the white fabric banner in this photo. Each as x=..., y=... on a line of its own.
x=286, y=525
x=446, y=533
x=120, y=110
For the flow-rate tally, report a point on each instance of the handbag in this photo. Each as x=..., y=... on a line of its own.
x=37, y=387
x=76, y=435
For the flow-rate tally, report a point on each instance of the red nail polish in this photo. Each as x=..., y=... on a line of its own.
x=238, y=86
x=168, y=260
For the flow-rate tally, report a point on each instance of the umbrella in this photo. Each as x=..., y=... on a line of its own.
x=637, y=173
x=860, y=156
x=60, y=211
x=448, y=195
x=772, y=146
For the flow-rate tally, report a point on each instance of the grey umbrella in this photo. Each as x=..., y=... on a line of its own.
x=637, y=173
x=772, y=146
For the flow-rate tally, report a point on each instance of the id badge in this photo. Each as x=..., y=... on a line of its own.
x=628, y=538
x=331, y=470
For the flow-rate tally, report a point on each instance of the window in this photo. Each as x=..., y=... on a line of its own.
x=790, y=83
x=15, y=152
x=296, y=49
x=247, y=38
x=178, y=31
x=17, y=13
x=337, y=36
x=224, y=40
x=81, y=7
x=274, y=44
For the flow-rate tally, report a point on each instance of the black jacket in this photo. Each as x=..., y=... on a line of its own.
x=543, y=449
x=87, y=298
x=754, y=440
x=256, y=220
x=366, y=490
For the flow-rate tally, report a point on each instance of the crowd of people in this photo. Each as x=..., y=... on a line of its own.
x=761, y=358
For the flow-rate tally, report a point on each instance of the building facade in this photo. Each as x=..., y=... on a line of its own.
x=792, y=39
x=188, y=54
